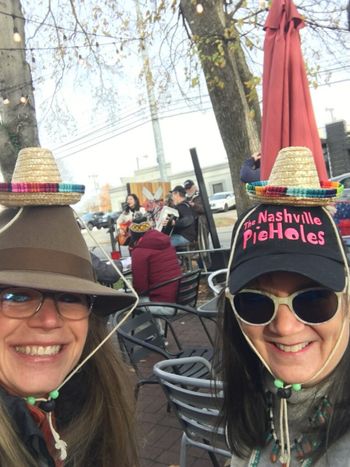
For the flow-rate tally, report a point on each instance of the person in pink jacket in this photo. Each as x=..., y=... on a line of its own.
x=154, y=261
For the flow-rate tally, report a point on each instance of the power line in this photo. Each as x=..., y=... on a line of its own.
x=93, y=34
x=108, y=129
x=94, y=130
x=127, y=130
x=60, y=47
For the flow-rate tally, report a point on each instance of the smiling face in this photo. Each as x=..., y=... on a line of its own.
x=295, y=351
x=37, y=353
x=131, y=201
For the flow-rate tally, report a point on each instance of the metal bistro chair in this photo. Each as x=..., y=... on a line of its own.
x=187, y=294
x=209, y=310
x=139, y=337
x=216, y=280
x=196, y=404
x=187, y=291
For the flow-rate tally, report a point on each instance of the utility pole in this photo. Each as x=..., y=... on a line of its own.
x=151, y=97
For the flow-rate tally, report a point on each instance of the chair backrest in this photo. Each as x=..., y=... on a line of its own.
x=187, y=293
x=216, y=280
x=195, y=402
x=139, y=335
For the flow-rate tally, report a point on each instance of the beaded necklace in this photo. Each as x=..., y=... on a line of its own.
x=302, y=446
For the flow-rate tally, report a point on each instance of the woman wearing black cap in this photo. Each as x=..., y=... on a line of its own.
x=285, y=349
x=63, y=400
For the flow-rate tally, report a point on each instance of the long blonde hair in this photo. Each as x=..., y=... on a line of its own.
x=94, y=413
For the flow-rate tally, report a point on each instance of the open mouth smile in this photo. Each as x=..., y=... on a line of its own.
x=38, y=350
x=292, y=348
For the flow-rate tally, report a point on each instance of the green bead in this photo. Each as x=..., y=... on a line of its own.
x=31, y=400
x=278, y=383
x=296, y=387
x=54, y=394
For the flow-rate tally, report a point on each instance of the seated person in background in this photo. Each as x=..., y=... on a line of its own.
x=250, y=170
x=153, y=260
x=184, y=231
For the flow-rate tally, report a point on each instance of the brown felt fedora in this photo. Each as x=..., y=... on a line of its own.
x=42, y=247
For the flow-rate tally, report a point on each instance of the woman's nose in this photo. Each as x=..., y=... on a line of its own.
x=285, y=322
x=47, y=316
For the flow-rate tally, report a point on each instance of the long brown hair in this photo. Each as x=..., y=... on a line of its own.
x=95, y=410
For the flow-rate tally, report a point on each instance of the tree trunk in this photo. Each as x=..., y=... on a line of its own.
x=18, y=125
x=226, y=73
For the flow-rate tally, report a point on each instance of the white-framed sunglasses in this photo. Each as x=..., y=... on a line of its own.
x=313, y=306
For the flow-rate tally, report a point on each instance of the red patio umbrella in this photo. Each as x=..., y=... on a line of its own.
x=288, y=118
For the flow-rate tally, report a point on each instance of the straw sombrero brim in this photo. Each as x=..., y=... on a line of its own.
x=40, y=194
x=263, y=192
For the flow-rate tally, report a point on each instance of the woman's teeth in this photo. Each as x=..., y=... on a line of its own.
x=292, y=348
x=38, y=349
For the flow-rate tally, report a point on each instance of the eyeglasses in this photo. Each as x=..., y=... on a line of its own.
x=310, y=306
x=20, y=303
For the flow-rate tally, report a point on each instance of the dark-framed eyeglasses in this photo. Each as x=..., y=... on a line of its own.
x=22, y=302
x=311, y=306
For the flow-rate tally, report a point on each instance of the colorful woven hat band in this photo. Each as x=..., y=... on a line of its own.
x=294, y=180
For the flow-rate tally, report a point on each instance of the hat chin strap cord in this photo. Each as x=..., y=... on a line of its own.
x=48, y=404
x=285, y=391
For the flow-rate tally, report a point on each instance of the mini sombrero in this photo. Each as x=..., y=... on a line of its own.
x=141, y=227
x=294, y=180
x=36, y=181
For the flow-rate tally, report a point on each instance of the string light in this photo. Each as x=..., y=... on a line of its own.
x=5, y=100
x=16, y=35
x=199, y=8
x=23, y=99
x=81, y=60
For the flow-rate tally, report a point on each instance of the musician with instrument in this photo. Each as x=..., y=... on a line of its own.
x=132, y=210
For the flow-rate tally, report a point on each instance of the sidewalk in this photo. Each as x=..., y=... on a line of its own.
x=159, y=431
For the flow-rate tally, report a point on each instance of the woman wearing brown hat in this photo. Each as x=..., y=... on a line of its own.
x=63, y=400
x=285, y=330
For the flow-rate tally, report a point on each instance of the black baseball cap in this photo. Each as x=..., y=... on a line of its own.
x=179, y=189
x=298, y=239
x=188, y=184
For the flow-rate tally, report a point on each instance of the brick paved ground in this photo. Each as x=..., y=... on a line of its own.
x=159, y=431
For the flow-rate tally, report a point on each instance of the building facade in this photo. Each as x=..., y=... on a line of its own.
x=217, y=178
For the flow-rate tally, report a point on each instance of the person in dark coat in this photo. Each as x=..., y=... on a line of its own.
x=195, y=200
x=185, y=226
x=153, y=260
x=250, y=170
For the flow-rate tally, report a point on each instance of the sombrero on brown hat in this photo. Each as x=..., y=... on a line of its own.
x=294, y=180
x=36, y=181
x=42, y=247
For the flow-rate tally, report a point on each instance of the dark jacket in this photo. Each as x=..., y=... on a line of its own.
x=27, y=429
x=250, y=171
x=154, y=261
x=185, y=225
x=104, y=271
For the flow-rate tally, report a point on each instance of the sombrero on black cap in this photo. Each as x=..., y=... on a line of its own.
x=294, y=180
x=42, y=247
x=300, y=239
